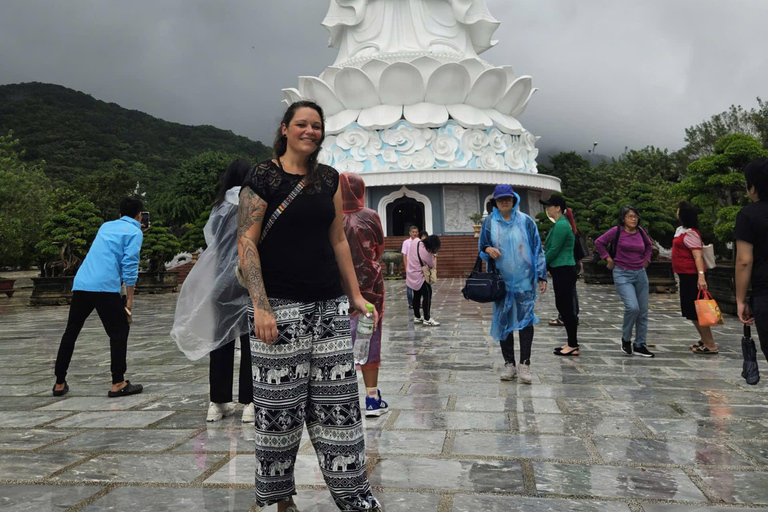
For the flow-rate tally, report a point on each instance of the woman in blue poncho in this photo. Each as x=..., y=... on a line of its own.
x=511, y=238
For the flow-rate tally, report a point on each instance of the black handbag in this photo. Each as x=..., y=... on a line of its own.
x=580, y=249
x=482, y=286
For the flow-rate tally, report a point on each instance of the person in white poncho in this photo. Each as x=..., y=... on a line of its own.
x=211, y=312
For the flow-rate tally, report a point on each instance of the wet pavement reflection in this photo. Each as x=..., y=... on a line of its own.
x=598, y=433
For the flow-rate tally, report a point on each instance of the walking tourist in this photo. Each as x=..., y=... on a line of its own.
x=511, y=239
x=558, y=322
x=422, y=254
x=365, y=236
x=211, y=312
x=752, y=251
x=297, y=265
x=688, y=264
x=562, y=267
x=112, y=259
x=626, y=248
x=413, y=234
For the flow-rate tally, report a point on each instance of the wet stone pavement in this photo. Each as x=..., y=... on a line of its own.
x=599, y=433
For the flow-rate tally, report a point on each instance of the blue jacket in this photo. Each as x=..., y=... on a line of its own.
x=112, y=259
x=521, y=265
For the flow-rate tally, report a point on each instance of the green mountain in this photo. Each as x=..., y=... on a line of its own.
x=77, y=135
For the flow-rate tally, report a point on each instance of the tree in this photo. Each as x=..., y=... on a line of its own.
x=67, y=236
x=194, y=238
x=24, y=204
x=715, y=183
x=159, y=245
x=105, y=189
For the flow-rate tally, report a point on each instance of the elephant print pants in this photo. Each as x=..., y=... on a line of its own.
x=308, y=375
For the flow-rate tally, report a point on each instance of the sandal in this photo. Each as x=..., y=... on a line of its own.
x=704, y=350
x=129, y=389
x=572, y=353
x=699, y=343
x=556, y=323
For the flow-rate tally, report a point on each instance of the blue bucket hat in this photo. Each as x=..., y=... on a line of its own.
x=503, y=190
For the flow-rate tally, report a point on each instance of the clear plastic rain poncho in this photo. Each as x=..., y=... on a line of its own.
x=522, y=265
x=212, y=306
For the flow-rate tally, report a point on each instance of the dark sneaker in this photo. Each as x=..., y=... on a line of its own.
x=375, y=406
x=642, y=351
x=626, y=347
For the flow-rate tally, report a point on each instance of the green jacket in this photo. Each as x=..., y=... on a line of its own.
x=559, y=245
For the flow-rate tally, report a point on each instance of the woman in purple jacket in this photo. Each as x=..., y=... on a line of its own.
x=626, y=248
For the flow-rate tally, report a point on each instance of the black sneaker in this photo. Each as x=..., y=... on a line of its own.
x=643, y=351
x=626, y=347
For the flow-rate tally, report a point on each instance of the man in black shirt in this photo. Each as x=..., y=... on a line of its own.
x=752, y=251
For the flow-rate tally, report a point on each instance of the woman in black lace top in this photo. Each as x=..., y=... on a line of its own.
x=302, y=284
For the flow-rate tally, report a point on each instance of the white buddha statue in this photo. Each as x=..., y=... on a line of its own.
x=365, y=29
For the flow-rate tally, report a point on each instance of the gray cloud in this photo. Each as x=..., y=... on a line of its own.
x=620, y=72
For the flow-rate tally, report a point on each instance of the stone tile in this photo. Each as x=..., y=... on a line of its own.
x=24, y=389
x=43, y=498
x=242, y=470
x=758, y=451
x=234, y=439
x=650, y=451
x=29, y=439
x=177, y=403
x=432, y=388
x=738, y=486
x=418, y=403
x=622, y=409
x=320, y=501
x=757, y=412
x=19, y=403
x=17, y=419
x=615, y=482
x=576, y=425
x=388, y=442
x=124, y=499
x=98, y=404
x=196, y=419
x=706, y=428
x=452, y=420
x=530, y=405
x=462, y=475
x=162, y=468
x=474, y=503
x=121, y=440
x=117, y=419
x=520, y=445
x=34, y=466
x=654, y=507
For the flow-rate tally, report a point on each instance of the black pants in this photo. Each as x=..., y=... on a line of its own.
x=222, y=369
x=109, y=306
x=508, y=346
x=422, y=298
x=760, y=312
x=564, y=283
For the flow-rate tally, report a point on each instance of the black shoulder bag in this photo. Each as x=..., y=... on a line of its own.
x=482, y=286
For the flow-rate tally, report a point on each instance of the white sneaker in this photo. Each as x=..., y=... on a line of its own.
x=431, y=322
x=218, y=411
x=524, y=373
x=249, y=414
x=418, y=320
x=509, y=371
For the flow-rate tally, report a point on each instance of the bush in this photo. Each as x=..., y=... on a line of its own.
x=159, y=245
x=67, y=236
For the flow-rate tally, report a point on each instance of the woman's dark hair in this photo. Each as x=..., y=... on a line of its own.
x=623, y=213
x=280, y=145
x=688, y=215
x=423, y=234
x=756, y=175
x=232, y=177
x=432, y=243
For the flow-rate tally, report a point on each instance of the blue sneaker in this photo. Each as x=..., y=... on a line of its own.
x=375, y=407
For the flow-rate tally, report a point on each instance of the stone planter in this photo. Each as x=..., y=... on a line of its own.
x=477, y=228
x=661, y=279
x=6, y=287
x=157, y=282
x=51, y=291
x=721, y=282
x=391, y=262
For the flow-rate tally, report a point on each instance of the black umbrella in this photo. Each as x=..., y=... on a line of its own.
x=750, y=371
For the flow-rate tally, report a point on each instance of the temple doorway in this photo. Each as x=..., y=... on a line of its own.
x=402, y=214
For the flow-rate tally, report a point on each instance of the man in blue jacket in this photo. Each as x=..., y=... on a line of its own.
x=112, y=259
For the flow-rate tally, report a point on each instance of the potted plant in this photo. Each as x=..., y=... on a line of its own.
x=65, y=241
x=159, y=245
x=477, y=223
x=6, y=286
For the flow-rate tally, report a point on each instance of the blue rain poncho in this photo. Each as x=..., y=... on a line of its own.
x=212, y=308
x=522, y=265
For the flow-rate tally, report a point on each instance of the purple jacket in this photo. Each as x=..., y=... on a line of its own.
x=634, y=249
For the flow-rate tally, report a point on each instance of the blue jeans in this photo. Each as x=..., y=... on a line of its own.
x=632, y=286
x=410, y=296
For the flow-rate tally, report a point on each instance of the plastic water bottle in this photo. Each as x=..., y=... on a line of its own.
x=365, y=328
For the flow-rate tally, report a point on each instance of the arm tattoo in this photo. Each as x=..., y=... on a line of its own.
x=250, y=216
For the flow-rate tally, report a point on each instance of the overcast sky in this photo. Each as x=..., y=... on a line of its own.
x=619, y=72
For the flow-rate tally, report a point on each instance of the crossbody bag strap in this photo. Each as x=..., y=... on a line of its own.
x=421, y=263
x=280, y=209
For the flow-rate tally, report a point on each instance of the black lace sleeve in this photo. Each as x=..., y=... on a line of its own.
x=258, y=180
x=330, y=178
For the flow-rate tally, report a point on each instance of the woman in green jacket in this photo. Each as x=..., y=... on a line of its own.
x=562, y=267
